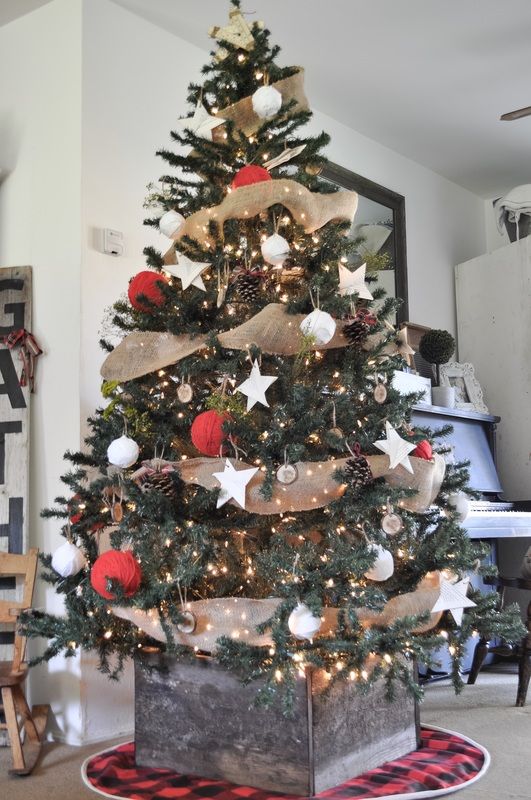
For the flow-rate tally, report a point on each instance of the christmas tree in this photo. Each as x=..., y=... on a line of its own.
x=253, y=487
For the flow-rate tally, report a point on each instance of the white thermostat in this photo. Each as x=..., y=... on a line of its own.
x=113, y=242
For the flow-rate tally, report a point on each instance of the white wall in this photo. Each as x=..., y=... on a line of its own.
x=444, y=223
x=134, y=79
x=40, y=224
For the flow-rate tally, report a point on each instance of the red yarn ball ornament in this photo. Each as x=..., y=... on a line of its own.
x=250, y=174
x=423, y=450
x=146, y=284
x=120, y=566
x=207, y=432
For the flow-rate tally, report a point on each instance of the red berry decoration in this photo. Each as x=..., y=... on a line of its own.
x=146, y=284
x=423, y=450
x=120, y=566
x=207, y=432
x=250, y=174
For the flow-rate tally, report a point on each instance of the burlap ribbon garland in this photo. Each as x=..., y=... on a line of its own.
x=312, y=210
x=243, y=115
x=239, y=617
x=273, y=330
x=316, y=486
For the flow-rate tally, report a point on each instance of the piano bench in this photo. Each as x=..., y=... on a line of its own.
x=523, y=651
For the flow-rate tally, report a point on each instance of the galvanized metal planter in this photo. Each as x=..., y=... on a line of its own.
x=198, y=719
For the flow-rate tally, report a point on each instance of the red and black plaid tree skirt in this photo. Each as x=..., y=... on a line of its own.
x=444, y=763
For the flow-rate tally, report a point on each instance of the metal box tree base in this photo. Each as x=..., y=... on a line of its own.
x=197, y=718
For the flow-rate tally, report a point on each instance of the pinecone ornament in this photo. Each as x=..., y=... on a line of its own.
x=159, y=482
x=357, y=330
x=358, y=471
x=248, y=285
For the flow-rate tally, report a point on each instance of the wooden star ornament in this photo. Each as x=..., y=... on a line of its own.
x=188, y=271
x=233, y=483
x=396, y=448
x=256, y=386
x=353, y=282
x=453, y=598
x=201, y=123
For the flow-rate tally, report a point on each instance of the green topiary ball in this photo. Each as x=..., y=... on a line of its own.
x=436, y=346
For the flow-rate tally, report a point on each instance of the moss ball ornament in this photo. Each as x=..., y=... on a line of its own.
x=207, y=432
x=147, y=285
x=117, y=565
x=252, y=173
x=436, y=346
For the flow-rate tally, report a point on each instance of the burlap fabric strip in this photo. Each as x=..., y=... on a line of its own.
x=273, y=330
x=142, y=352
x=239, y=617
x=316, y=486
x=245, y=119
x=312, y=210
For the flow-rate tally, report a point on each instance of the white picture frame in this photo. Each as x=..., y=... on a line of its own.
x=468, y=392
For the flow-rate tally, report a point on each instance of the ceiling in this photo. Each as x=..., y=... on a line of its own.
x=427, y=78
x=11, y=9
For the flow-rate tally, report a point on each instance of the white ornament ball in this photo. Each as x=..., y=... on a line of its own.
x=320, y=325
x=302, y=623
x=461, y=503
x=68, y=560
x=171, y=223
x=383, y=567
x=123, y=452
x=275, y=250
x=267, y=102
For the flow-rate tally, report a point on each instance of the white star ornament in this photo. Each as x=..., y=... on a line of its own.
x=396, y=448
x=256, y=386
x=453, y=598
x=353, y=282
x=233, y=483
x=188, y=271
x=201, y=123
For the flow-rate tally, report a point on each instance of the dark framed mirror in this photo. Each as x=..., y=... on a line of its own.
x=381, y=223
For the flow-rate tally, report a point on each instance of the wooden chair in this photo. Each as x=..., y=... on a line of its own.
x=522, y=651
x=13, y=673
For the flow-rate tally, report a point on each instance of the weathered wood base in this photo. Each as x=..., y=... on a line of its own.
x=198, y=719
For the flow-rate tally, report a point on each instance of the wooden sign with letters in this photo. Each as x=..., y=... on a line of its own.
x=15, y=315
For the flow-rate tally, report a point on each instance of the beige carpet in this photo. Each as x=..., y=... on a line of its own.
x=484, y=712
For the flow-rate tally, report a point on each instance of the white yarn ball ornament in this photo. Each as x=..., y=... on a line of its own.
x=383, y=567
x=123, y=452
x=461, y=503
x=68, y=560
x=171, y=223
x=275, y=250
x=302, y=623
x=320, y=325
x=267, y=102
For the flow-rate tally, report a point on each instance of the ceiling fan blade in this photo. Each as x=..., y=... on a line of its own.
x=520, y=112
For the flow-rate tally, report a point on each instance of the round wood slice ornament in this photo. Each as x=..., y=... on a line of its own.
x=392, y=524
x=287, y=474
x=337, y=432
x=187, y=622
x=117, y=512
x=185, y=392
x=380, y=393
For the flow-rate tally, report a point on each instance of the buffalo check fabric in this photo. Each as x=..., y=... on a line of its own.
x=443, y=763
